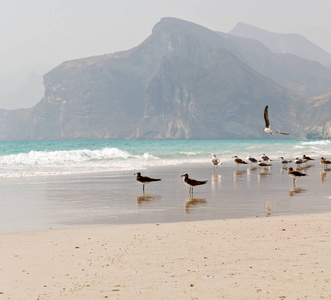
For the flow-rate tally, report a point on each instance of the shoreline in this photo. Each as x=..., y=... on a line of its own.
x=115, y=198
x=281, y=257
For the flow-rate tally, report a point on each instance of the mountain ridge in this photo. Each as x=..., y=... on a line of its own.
x=184, y=81
x=291, y=43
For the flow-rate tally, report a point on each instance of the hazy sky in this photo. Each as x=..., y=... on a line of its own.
x=37, y=35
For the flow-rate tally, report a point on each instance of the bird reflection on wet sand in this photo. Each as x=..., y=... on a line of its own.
x=323, y=174
x=215, y=180
x=303, y=168
x=237, y=175
x=283, y=169
x=296, y=190
x=268, y=208
x=263, y=172
x=190, y=202
x=252, y=169
x=146, y=198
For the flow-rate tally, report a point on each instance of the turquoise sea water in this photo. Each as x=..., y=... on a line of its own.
x=24, y=159
x=68, y=184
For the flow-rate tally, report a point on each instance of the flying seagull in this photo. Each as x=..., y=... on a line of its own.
x=144, y=179
x=267, y=124
x=192, y=182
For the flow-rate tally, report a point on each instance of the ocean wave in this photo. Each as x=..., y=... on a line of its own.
x=189, y=153
x=52, y=163
x=323, y=142
x=142, y=155
x=44, y=158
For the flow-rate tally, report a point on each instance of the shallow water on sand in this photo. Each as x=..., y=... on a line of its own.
x=39, y=203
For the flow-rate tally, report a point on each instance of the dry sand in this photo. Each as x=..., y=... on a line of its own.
x=263, y=258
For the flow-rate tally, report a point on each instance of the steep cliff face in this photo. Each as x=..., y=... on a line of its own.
x=318, y=114
x=183, y=82
x=88, y=99
x=203, y=90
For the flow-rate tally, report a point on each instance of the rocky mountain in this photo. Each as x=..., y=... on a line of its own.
x=183, y=82
x=284, y=43
x=318, y=110
x=302, y=76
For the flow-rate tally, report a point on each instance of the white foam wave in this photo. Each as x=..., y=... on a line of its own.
x=324, y=142
x=48, y=163
x=44, y=158
x=189, y=153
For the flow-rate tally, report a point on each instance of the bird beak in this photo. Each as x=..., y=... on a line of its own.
x=182, y=175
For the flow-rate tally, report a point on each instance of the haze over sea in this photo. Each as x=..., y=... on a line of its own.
x=64, y=184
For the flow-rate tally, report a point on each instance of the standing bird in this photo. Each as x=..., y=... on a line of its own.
x=267, y=124
x=264, y=157
x=252, y=160
x=306, y=158
x=192, y=182
x=239, y=161
x=285, y=161
x=299, y=161
x=263, y=164
x=145, y=180
x=215, y=161
x=325, y=162
x=295, y=174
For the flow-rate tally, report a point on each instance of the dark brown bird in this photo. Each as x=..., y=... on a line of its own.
x=145, y=180
x=264, y=164
x=295, y=174
x=325, y=162
x=306, y=158
x=267, y=124
x=239, y=161
x=285, y=161
x=192, y=182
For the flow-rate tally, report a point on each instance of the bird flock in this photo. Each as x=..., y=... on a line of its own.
x=263, y=162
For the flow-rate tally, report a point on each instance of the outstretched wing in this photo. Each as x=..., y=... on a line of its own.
x=280, y=132
x=266, y=118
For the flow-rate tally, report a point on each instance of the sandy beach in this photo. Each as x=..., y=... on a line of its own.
x=283, y=257
x=115, y=198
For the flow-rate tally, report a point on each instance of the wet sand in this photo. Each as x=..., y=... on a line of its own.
x=246, y=234
x=287, y=257
x=115, y=198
